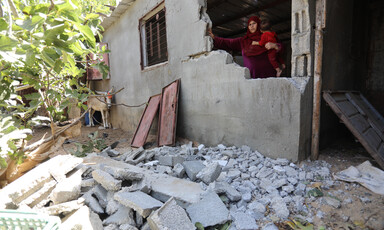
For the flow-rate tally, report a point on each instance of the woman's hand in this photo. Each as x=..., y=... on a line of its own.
x=210, y=33
x=271, y=45
x=255, y=43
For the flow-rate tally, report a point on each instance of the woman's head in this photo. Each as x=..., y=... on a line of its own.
x=253, y=24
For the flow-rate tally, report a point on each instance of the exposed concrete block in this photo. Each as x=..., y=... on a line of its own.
x=122, y=174
x=171, y=160
x=183, y=191
x=123, y=215
x=244, y=221
x=209, y=211
x=230, y=192
x=210, y=173
x=179, y=170
x=143, y=185
x=106, y=180
x=88, y=183
x=68, y=189
x=92, y=202
x=40, y=195
x=101, y=194
x=83, y=218
x=170, y=216
x=192, y=168
x=35, y=179
x=139, y=201
x=127, y=227
x=64, y=208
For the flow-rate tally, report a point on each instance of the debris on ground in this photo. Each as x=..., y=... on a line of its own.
x=184, y=187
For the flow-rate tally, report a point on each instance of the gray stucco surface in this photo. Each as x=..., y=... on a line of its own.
x=217, y=101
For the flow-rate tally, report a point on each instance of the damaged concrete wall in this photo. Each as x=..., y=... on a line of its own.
x=218, y=103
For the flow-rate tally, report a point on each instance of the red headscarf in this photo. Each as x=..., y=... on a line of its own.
x=246, y=45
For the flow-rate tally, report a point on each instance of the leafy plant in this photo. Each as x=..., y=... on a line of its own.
x=315, y=193
x=92, y=145
x=224, y=226
x=44, y=45
x=297, y=224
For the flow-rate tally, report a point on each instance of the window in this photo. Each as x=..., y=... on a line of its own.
x=154, y=37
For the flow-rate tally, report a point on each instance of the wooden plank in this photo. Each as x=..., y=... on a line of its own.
x=146, y=120
x=348, y=108
x=168, y=114
x=372, y=138
x=360, y=123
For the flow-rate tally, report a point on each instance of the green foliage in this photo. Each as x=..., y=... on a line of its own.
x=224, y=226
x=315, y=193
x=95, y=143
x=44, y=46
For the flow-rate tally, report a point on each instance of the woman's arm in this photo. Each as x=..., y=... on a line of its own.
x=228, y=44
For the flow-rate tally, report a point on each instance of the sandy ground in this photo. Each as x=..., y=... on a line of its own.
x=366, y=211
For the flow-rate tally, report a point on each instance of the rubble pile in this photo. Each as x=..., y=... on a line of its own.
x=170, y=188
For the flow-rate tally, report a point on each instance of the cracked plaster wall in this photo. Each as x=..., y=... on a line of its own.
x=217, y=101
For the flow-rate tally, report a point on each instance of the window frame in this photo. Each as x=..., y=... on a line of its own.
x=143, y=37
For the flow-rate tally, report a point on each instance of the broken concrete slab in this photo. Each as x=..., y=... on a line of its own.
x=228, y=190
x=106, y=180
x=209, y=211
x=68, y=189
x=170, y=216
x=40, y=195
x=101, y=194
x=139, y=201
x=244, y=221
x=64, y=208
x=192, y=168
x=127, y=227
x=179, y=170
x=83, y=218
x=122, y=174
x=92, y=202
x=210, y=173
x=123, y=215
x=183, y=191
x=35, y=179
x=171, y=160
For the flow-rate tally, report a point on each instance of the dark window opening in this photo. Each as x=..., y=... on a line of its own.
x=154, y=39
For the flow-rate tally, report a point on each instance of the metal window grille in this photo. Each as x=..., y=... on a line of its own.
x=154, y=37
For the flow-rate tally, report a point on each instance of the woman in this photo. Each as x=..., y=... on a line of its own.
x=255, y=57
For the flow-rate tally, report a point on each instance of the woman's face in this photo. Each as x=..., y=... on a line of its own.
x=252, y=26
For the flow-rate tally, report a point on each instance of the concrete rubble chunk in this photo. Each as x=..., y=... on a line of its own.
x=183, y=191
x=67, y=189
x=40, y=195
x=123, y=215
x=101, y=194
x=64, y=208
x=122, y=174
x=88, y=182
x=92, y=202
x=244, y=221
x=143, y=185
x=171, y=160
x=280, y=207
x=106, y=180
x=127, y=227
x=179, y=170
x=210, y=173
x=230, y=192
x=138, y=155
x=270, y=226
x=14, y=193
x=192, y=168
x=332, y=202
x=83, y=218
x=170, y=216
x=209, y=211
x=233, y=174
x=139, y=201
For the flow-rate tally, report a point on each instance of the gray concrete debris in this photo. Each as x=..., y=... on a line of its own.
x=139, y=201
x=179, y=170
x=67, y=189
x=138, y=155
x=244, y=221
x=192, y=168
x=101, y=194
x=127, y=227
x=106, y=180
x=92, y=203
x=171, y=160
x=122, y=174
x=257, y=206
x=40, y=196
x=170, y=216
x=209, y=211
x=210, y=173
x=123, y=215
x=143, y=185
x=332, y=202
x=270, y=226
x=64, y=208
x=280, y=207
x=228, y=190
x=83, y=218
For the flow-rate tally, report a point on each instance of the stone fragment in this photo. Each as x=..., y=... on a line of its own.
x=210, y=173
x=106, y=180
x=170, y=216
x=92, y=203
x=67, y=189
x=282, y=161
x=63, y=208
x=230, y=192
x=101, y=195
x=233, y=173
x=83, y=218
x=244, y=221
x=257, y=206
x=229, y=153
x=264, y=172
x=127, y=227
x=280, y=182
x=270, y=226
x=123, y=215
x=171, y=160
x=88, y=182
x=139, y=201
x=41, y=195
x=179, y=170
x=280, y=207
x=209, y=211
x=122, y=174
x=192, y=168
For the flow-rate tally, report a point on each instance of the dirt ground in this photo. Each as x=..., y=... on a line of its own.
x=360, y=208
